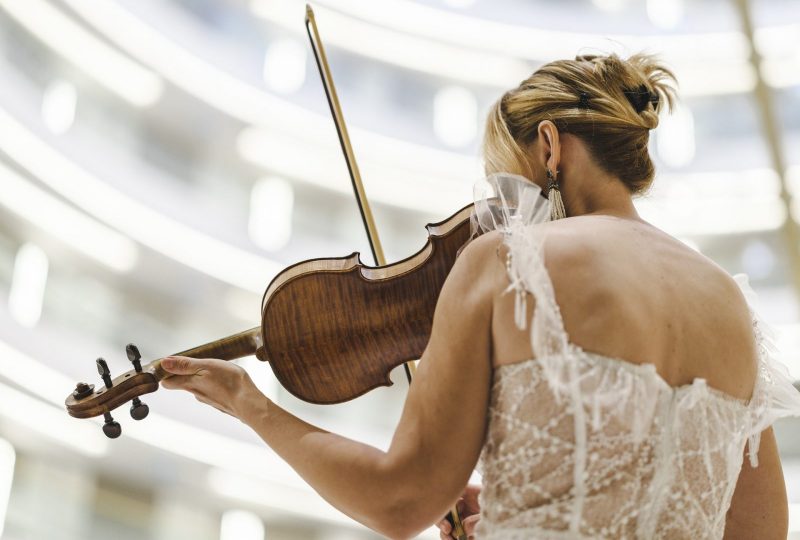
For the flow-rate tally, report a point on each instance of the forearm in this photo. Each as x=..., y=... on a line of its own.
x=356, y=478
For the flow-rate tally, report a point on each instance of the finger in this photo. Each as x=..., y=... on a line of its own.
x=445, y=527
x=470, y=522
x=178, y=382
x=182, y=365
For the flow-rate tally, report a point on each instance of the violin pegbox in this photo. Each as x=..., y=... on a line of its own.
x=86, y=401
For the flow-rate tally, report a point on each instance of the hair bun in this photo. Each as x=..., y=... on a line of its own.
x=600, y=99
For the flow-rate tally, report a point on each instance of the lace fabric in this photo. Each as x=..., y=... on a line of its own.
x=581, y=445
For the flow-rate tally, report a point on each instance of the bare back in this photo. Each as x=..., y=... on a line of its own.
x=629, y=291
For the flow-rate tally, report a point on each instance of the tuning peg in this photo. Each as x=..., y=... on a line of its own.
x=83, y=390
x=134, y=356
x=111, y=428
x=139, y=410
x=105, y=373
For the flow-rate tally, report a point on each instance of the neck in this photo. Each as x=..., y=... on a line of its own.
x=596, y=193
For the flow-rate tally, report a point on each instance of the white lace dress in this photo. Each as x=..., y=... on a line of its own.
x=581, y=445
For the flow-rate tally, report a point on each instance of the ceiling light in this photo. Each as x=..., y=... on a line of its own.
x=7, y=459
x=781, y=72
x=271, y=205
x=675, y=140
x=241, y=525
x=666, y=14
x=459, y=4
x=758, y=259
x=609, y=5
x=58, y=106
x=285, y=66
x=455, y=116
x=28, y=283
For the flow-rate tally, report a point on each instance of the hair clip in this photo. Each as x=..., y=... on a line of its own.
x=654, y=98
x=639, y=97
x=584, y=102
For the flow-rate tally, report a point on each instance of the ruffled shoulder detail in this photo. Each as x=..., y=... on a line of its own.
x=774, y=394
x=514, y=205
x=504, y=201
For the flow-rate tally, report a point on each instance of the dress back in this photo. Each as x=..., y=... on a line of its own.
x=581, y=445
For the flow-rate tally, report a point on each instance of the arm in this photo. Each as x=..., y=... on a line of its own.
x=409, y=487
x=759, y=508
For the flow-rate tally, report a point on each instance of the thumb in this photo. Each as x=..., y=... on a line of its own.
x=181, y=365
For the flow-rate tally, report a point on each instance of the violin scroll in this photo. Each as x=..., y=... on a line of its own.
x=86, y=401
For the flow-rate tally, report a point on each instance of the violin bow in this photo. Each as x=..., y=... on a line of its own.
x=358, y=189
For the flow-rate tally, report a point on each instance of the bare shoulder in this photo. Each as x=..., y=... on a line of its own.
x=625, y=252
x=628, y=252
x=663, y=298
x=475, y=274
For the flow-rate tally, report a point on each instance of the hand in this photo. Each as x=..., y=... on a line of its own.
x=468, y=508
x=218, y=383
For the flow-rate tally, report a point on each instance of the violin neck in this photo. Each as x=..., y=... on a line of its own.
x=229, y=348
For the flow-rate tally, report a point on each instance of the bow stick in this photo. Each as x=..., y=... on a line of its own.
x=358, y=188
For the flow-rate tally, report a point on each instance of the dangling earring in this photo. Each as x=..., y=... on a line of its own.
x=554, y=196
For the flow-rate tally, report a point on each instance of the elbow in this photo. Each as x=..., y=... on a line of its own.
x=402, y=525
x=398, y=533
x=417, y=499
x=404, y=517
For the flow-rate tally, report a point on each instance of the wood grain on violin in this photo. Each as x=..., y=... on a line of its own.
x=334, y=328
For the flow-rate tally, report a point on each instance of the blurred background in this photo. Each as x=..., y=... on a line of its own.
x=161, y=161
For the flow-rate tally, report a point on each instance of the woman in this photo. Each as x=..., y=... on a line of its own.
x=614, y=394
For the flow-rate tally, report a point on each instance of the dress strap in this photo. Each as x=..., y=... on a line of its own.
x=515, y=206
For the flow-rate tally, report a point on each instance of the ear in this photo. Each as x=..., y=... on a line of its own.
x=550, y=145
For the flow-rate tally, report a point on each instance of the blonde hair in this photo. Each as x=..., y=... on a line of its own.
x=615, y=134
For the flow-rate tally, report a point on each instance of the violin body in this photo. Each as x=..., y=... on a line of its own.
x=333, y=329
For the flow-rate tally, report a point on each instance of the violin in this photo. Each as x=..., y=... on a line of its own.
x=331, y=329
